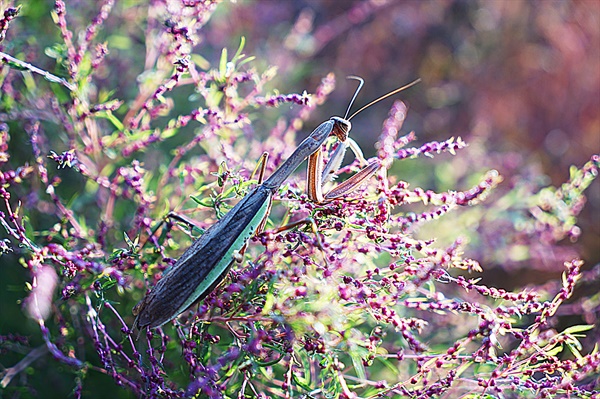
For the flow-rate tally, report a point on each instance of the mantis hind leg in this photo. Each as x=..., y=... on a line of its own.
x=308, y=221
x=260, y=168
x=191, y=226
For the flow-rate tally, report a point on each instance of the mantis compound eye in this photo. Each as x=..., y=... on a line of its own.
x=341, y=128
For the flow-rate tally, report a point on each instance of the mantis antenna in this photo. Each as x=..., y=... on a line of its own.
x=391, y=93
x=361, y=82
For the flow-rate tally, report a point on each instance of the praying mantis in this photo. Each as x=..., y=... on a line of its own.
x=205, y=264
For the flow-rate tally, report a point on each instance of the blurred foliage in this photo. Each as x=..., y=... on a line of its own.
x=520, y=81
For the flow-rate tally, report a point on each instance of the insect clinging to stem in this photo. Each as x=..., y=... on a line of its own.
x=206, y=262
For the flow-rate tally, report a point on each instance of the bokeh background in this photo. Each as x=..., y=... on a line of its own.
x=518, y=80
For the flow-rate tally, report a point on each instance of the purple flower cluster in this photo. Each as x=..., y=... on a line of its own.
x=273, y=101
x=9, y=14
x=451, y=145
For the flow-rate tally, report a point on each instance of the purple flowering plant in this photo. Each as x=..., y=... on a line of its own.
x=379, y=296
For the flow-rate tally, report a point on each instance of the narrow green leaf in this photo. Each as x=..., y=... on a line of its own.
x=574, y=350
x=245, y=61
x=578, y=328
x=223, y=64
x=555, y=351
x=358, y=364
x=238, y=53
x=112, y=119
x=462, y=368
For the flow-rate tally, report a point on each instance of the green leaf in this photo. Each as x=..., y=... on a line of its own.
x=56, y=51
x=574, y=347
x=462, y=368
x=245, y=61
x=238, y=53
x=167, y=133
x=358, y=364
x=200, y=61
x=303, y=381
x=14, y=65
x=204, y=201
x=108, y=283
x=554, y=351
x=223, y=169
x=116, y=254
x=223, y=64
x=108, y=115
x=578, y=328
x=269, y=303
x=131, y=244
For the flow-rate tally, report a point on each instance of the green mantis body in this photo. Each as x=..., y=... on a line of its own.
x=206, y=262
